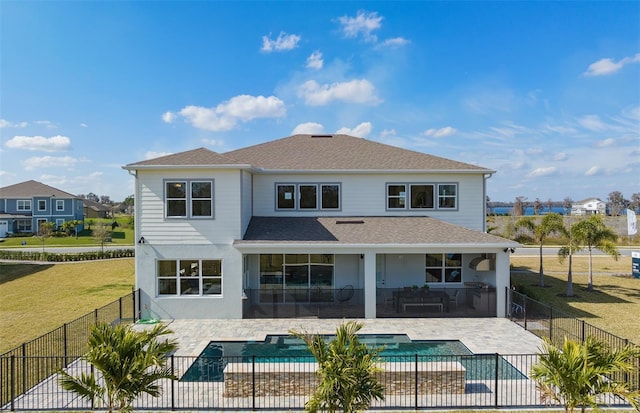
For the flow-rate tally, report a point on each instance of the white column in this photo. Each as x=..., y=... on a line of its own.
x=370, y=285
x=502, y=281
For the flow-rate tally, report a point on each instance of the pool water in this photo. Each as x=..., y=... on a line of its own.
x=210, y=363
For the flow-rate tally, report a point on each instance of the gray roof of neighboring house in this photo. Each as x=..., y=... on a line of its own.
x=315, y=153
x=364, y=230
x=96, y=206
x=32, y=188
x=341, y=152
x=195, y=157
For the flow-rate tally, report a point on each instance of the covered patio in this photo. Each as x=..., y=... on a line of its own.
x=371, y=267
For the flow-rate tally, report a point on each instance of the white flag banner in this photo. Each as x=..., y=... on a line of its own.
x=632, y=223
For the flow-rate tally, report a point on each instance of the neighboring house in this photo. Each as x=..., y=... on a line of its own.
x=25, y=205
x=589, y=206
x=322, y=226
x=93, y=209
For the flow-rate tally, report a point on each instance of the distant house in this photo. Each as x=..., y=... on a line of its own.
x=24, y=206
x=589, y=206
x=93, y=209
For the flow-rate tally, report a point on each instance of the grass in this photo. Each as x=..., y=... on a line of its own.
x=39, y=298
x=613, y=307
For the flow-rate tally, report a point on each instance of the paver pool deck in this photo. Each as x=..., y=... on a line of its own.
x=480, y=335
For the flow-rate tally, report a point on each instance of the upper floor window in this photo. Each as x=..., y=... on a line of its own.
x=307, y=196
x=59, y=205
x=24, y=205
x=189, y=199
x=42, y=205
x=421, y=196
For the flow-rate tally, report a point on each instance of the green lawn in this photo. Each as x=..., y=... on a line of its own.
x=39, y=298
x=613, y=307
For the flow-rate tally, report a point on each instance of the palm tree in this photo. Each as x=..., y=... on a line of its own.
x=568, y=251
x=347, y=371
x=593, y=233
x=576, y=374
x=129, y=363
x=550, y=223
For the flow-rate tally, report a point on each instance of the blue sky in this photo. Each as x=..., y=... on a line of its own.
x=545, y=93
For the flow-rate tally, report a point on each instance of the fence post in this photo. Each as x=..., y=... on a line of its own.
x=120, y=309
x=66, y=343
x=95, y=316
x=583, y=331
x=497, y=372
x=13, y=382
x=415, y=385
x=524, y=311
x=173, y=403
x=24, y=367
x=551, y=324
x=253, y=382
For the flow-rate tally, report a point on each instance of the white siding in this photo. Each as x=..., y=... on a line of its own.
x=365, y=195
x=247, y=199
x=224, y=228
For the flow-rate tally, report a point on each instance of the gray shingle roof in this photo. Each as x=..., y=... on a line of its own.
x=364, y=230
x=341, y=152
x=30, y=189
x=195, y=157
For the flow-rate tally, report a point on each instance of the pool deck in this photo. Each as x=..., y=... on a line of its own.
x=480, y=335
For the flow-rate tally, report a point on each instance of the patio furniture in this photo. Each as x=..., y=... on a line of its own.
x=421, y=298
x=454, y=298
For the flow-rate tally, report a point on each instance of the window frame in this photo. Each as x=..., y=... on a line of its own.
x=296, y=196
x=179, y=278
x=433, y=196
x=446, y=196
x=188, y=198
x=437, y=200
x=59, y=204
x=23, y=205
x=445, y=269
x=42, y=205
x=401, y=196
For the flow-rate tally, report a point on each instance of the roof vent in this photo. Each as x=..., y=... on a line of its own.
x=322, y=136
x=351, y=221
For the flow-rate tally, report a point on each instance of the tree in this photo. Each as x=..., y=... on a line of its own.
x=45, y=230
x=93, y=197
x=129, y=362
x=519, y=206
x=537, y=206
x=635, y=201
x=347, y=372
x=566, y=204
x=105, y=199
x=101, y=233
x=577, y=374
x=70, y=227
x=549, y=224
x=593, y=233
x=128, y=201
x=616, y=203
x=568, y=250
x=549, y=205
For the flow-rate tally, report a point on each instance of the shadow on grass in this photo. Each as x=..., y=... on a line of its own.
x=554, y=293
x=12, y=271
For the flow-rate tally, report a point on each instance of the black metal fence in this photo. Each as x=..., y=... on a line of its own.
x=554, y=325
x=27, y=365
x=252, y=383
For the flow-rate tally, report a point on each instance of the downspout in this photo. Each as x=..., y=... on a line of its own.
x=484, y=201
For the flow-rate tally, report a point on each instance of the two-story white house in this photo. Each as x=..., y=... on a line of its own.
x=589, y=206
x=315, y=226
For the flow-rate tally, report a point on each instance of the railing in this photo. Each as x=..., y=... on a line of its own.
x=25, y=366
x=253, y=383
x=554, y=325
x=346, y=302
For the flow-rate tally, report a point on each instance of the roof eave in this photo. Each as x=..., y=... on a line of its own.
x=135, y=167
x=262, y=246
x=376, y=171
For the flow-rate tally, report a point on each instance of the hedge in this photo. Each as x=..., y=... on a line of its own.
x=56, y=257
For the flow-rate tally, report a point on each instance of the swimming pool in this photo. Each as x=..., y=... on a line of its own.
x=397, y=348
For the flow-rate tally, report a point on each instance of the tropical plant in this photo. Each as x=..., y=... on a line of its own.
x=347, y=371
x=550, y=223
x=129, y=363
x=593, y=233
x=578, y=373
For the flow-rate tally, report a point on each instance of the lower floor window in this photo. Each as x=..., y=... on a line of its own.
x=23, y=225
x=280, y=273
x=443, y=268
x=189, y=277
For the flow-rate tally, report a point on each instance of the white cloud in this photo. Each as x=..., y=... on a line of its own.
x=546, y=171
x=282, y=42
x=7, y=124
x=440, y=133
x=592, y=122
x=84, y=125
x=560, y=156
x=169, y=117
x=314, y=61
x=213, y=142
x=155, y=154
x=308, y=128
x=357, y=91
x=39, y=143
x=607, y=66
x=395, y=42
x=606, y=142
x=226, y=115
x=362, y=130
x=46, y=123
x=594, y=170
x=39, y=162
x=363, y=24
